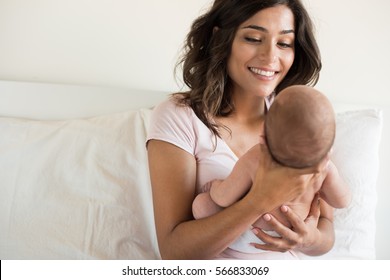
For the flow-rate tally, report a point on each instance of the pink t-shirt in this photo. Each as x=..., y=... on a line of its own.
x=178, y=125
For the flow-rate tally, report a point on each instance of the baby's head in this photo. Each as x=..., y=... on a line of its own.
x=300, y=127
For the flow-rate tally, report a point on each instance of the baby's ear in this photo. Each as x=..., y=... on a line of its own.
x=322, y=165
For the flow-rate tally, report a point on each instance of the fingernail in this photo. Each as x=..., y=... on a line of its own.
x=267, y=217
x=284, y=208
x=255, y=231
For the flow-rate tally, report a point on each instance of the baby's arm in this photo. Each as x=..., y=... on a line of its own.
x=237, y=184
x=334, y=190
x=203, y=206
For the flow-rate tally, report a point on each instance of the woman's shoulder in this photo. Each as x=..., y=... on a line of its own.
x=173, y=121
x=173, y=106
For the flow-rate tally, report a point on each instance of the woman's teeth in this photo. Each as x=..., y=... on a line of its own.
x=262, y=72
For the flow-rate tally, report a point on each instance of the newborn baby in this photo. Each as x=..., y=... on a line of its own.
x=299, y=130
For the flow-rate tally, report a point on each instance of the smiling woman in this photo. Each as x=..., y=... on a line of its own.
x=238, y=55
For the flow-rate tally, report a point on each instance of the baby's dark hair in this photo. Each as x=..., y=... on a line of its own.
x=300, y=127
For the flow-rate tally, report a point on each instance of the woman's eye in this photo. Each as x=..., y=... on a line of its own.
x=285, y=45
x=252, y=40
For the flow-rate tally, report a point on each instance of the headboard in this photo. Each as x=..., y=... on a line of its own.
x=60, y=101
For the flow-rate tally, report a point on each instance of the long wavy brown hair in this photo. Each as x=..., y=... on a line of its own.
x=206, y=52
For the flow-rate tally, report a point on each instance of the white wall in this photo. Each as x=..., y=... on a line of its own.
x=125, y=43
x=134, y=44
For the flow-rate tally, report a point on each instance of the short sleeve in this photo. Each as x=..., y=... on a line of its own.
x=173, y=123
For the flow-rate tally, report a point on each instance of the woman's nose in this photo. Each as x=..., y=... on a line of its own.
x=268, y=54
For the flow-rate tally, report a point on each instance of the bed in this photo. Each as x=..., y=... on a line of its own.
x=75, y=184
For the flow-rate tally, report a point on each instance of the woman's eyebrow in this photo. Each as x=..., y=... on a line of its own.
x=263, y=29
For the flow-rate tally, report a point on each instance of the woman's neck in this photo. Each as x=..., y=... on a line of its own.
x=248, y=108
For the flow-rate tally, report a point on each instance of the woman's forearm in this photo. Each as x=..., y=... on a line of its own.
x=179, y=235
x=208, y=237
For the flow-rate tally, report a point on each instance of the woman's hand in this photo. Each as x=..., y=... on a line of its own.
x=278, y=183
x=312, y=236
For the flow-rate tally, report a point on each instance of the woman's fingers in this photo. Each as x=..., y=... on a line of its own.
x=289, y=238
x=297, y=223
x=286, y=240
x=271, y=243
x=284, y=231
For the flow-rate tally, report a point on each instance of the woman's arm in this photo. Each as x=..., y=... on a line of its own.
x=173, y=177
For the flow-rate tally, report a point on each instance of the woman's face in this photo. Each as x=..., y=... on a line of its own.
x=262, y=51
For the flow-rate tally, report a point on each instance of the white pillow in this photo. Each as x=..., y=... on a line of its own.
x=80, y=189
x=76, y=189
x=356, y=155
